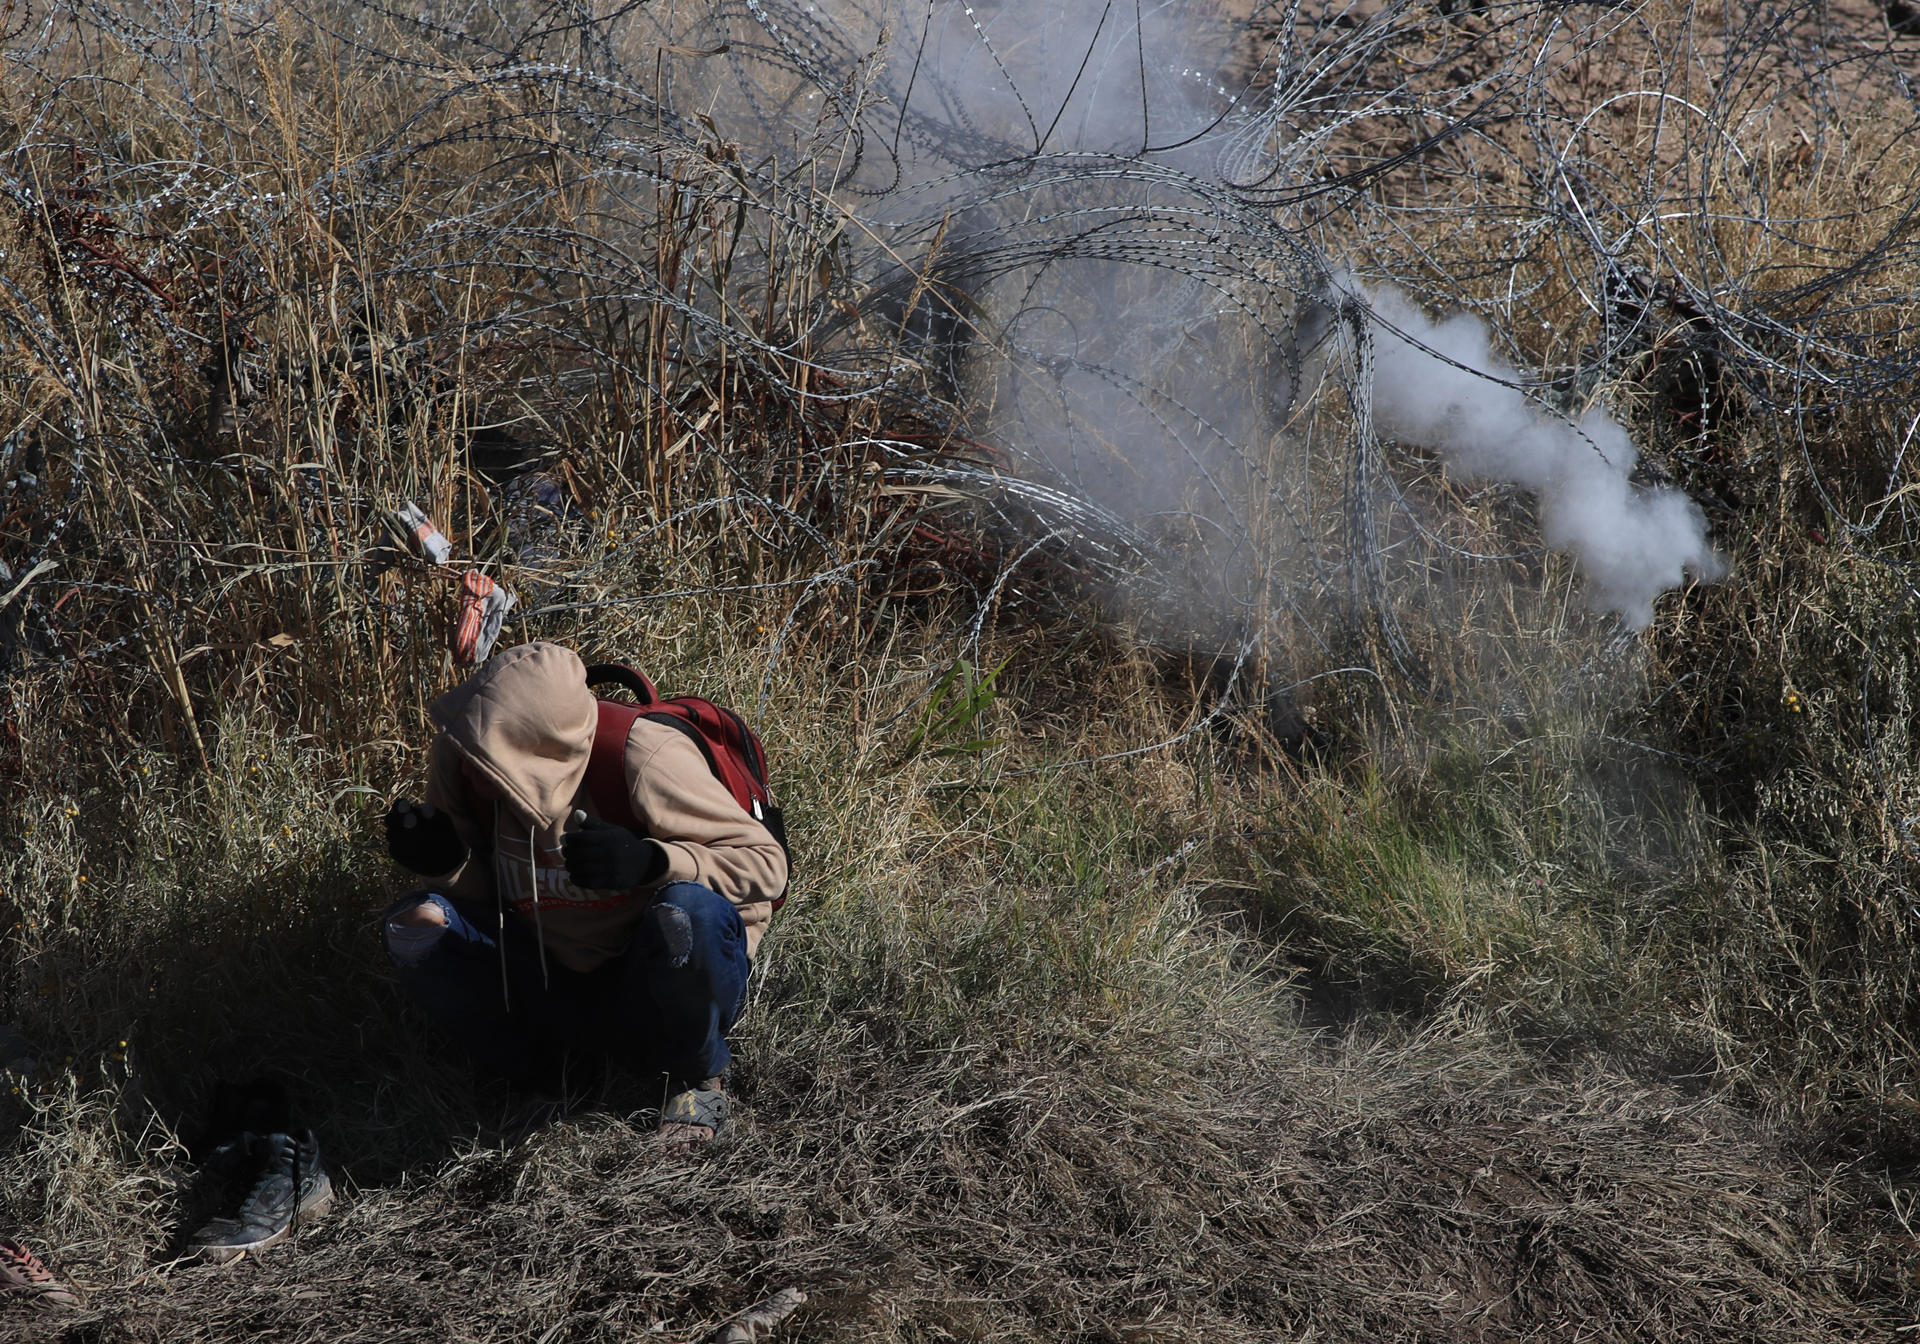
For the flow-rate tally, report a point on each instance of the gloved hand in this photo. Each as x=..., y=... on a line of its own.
x=421, y=837
x=604, y=857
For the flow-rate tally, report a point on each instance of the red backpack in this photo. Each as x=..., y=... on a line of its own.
x=732, y=751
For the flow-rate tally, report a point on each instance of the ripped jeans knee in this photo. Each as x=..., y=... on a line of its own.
x=408, y=943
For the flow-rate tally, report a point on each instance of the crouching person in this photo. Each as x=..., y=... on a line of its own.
x=548, y=933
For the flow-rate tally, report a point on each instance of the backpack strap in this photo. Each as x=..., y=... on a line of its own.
x=732, y=751
x=695, y=736
x=607, y=765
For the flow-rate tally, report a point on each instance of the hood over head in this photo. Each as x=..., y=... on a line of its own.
x=526, y=722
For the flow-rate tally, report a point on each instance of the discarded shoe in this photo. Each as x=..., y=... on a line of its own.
x=292, y=1188
x=23, y=1276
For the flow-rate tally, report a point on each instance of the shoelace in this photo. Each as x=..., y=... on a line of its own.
x=259, y=1202
x=293, y=1196
x=26, y=1264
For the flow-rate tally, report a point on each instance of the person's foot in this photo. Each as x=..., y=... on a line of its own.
x=23, y=1276
x=292, y=1188
x=693, y=1115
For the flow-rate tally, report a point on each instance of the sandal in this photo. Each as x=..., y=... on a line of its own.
x=703, y=1106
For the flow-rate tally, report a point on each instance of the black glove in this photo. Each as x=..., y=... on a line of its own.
x=604, y=857
x=421, y=838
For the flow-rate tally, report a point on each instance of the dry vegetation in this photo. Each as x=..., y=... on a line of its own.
x=1564, y=991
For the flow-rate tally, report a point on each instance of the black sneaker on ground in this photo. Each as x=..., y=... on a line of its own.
x=292, y=1188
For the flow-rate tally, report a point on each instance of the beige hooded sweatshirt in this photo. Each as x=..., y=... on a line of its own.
x=509, y=766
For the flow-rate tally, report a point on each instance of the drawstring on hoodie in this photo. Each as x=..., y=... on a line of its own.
x=539, y=932
x=500, y=907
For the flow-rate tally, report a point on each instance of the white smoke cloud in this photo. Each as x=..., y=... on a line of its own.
x=1124, y=324
x=1629, y=542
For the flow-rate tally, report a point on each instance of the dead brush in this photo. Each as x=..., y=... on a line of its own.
x=1735, y=802
x=352, y=360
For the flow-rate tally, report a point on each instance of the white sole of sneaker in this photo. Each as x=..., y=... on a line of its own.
x=45, y=1297
x=315, y=1204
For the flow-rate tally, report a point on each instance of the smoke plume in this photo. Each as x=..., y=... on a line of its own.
x=1064, y=214
x=1440, y=385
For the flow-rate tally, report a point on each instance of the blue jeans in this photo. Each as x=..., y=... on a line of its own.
x=637, y=1010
